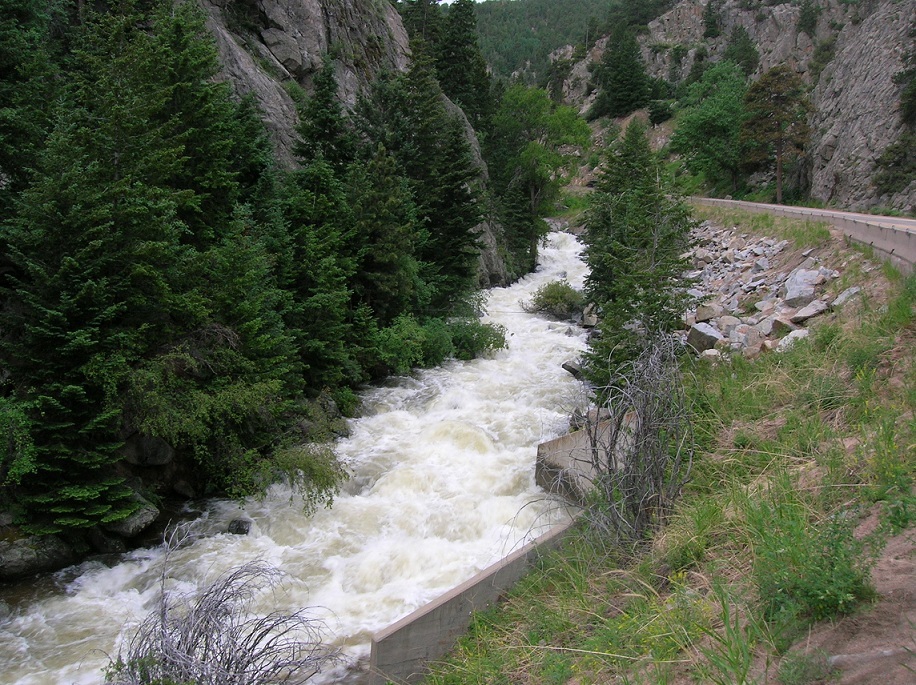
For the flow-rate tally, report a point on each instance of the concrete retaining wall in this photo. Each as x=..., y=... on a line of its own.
x=401, y=651
x=891, y=239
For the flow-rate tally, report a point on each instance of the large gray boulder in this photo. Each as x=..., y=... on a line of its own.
x=703, y=336
x=799, y=287
x=26, y=557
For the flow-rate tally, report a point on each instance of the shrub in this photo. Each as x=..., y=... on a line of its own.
x=558, y=299
x=473, y=338
x=801, y=568
x=213, y=639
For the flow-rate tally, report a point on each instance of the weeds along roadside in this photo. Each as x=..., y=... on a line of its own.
x=793, y=450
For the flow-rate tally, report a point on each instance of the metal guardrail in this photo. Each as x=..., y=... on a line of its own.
x=892, y=238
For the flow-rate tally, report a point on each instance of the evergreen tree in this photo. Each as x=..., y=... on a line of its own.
x=460, y=67
x=708, y=131
x=387, y=278
x=142, y=301
x=408, y=116
x=711, y=18
x=323, y=129
x=621, y=77
x=742, y=51
x=26, y=89
x=776, y=128
x=636, y=230
x=422, y=19
x=314, y=266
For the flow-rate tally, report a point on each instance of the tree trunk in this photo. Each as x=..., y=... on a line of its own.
x=779, y=172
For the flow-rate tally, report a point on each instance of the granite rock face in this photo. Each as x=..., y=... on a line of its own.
x=264, y=43
x=856, y=101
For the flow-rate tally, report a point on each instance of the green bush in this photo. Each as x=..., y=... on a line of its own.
x=473, y=338
x=813, y=570
x=558, y=299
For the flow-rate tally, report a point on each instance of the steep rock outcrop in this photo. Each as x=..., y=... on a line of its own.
x=266, y=43
x=851, y=59
x=857, y=110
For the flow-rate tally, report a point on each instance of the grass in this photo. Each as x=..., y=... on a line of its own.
x=793, y=450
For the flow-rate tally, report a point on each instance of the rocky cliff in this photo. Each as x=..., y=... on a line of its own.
x=849, y=55
x=268, y=47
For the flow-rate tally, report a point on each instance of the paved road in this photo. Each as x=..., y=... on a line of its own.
x=891, y=236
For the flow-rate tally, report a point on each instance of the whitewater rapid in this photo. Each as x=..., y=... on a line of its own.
x=442, y=486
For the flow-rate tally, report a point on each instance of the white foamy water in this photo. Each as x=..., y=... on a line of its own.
x=442, y=486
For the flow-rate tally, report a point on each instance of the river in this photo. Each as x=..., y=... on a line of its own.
x=442, y=486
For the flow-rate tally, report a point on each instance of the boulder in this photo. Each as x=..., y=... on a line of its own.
x=137, y=522
x=815, y=308
x=26, y=557
x=791, y=339
x=144, y=450
x=800, y=286
x=727, y=323
x=846, y=296
x=574, y=368
x=590, y=316
x=702, y=337
x=782, y=326
x=706, y=312
x=239, y=526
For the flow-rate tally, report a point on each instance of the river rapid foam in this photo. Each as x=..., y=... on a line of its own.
x=442, y=486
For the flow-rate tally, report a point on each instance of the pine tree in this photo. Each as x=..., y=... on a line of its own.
x=26, y=89
x=323, y=129
x=387, y=278
x=742, y=51
x=621, y=77
x=776, y=128
x=314, y=266
x=460, y=67
x=141, y=301
x=408, y=116
x=636, y=230
x=422, y=19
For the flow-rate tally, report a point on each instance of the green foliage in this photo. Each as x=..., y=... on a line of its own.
x=18, y=456
x=621, y=77
x=526, y=160
x=801, y=668
x=824, y=52
x=460, y=67
x=708, y=131
x=808, y=13
x=636, y=231
x=812, y=569
x=742, y=51
x=895, y=169
x=776, y=126
x=907, y=79
x=472, y=338
x=712, y=16
x=27, y=87
x=557, y=299
x=323, y=130
x=517, y=37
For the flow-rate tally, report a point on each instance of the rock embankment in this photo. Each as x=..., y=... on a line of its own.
x=756, y=293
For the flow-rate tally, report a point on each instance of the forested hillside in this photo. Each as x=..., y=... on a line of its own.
x=517, y=37
x=174, y=297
